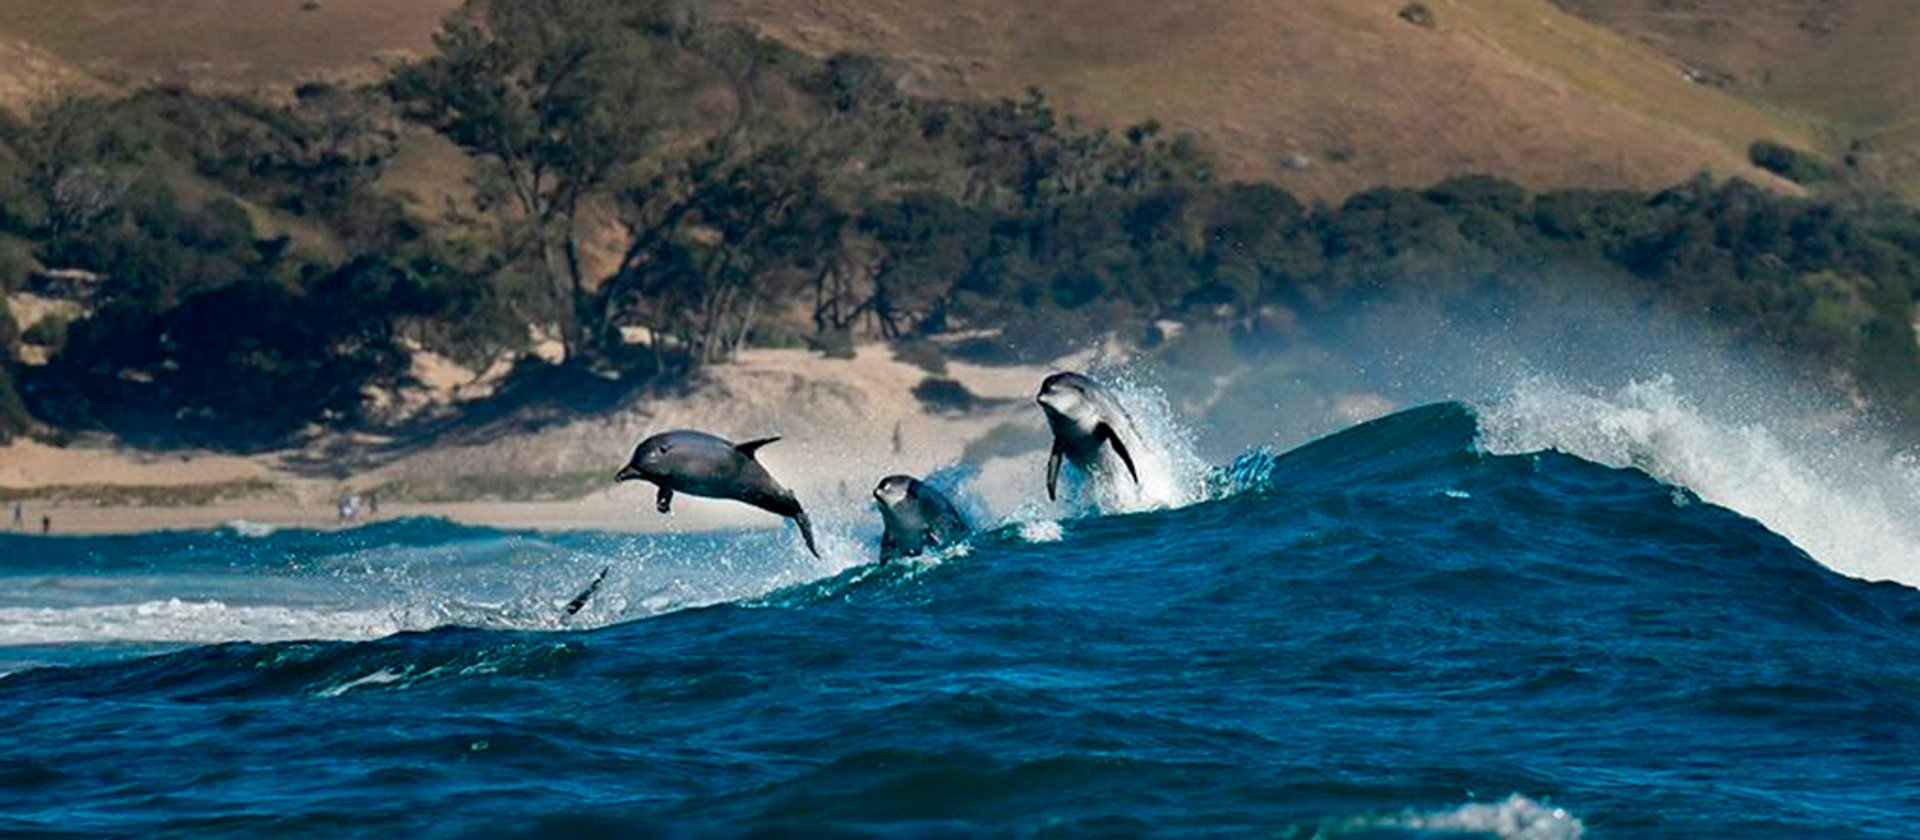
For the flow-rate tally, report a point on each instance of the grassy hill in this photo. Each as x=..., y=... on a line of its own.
x=225, y=44
x=643, y=193
x=1324, y=97
x=1327, y=96
x=1852, y=67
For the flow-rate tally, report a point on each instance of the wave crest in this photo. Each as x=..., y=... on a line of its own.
x=1843, y=500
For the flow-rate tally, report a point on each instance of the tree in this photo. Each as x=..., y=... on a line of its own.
x=727, y=237
x=556, y=95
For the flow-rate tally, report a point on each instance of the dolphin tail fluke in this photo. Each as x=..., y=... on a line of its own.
x=579, y=601
x=806, y=529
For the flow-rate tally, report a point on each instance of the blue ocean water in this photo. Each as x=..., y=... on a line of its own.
x=1390, y=632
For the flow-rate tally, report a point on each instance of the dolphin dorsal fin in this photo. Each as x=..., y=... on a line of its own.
x=750, y=447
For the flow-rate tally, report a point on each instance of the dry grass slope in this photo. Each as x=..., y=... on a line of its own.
x=1852, y=65
x=243, y=44
x=1518, y=88
x=1322, y=96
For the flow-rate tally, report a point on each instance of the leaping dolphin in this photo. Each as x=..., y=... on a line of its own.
x=700, y=464
x=917, y=518
x=1084, y=417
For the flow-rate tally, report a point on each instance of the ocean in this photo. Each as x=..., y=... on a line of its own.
x=1539, y=620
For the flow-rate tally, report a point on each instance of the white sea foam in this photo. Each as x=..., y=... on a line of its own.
x=250, y=529
x=1515, y=818
x=1842, y=499
x=384, y=676
x=1041, y=531
x=189, y=622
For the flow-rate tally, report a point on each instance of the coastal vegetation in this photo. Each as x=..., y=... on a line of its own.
x=653, y=192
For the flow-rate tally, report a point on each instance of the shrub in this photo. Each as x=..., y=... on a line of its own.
x=49, y=332
x=924, y=355
x=1789, y=163
x=834, y=344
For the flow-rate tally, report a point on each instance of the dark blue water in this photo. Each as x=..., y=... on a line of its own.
x=1383, y=634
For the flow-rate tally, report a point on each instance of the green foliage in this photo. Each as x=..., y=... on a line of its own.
x=834, y=344
x=924, y=355
x=14, y=418
x=49, y=332
x=1417, y=14
x=637, y=167
x=1790, y=163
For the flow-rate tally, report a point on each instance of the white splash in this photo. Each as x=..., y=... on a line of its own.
x=1171, y=473
x=1515, y=818
x=1848, y=503
x=1042, y=531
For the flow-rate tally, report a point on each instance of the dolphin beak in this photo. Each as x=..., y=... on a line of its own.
x=627, y=473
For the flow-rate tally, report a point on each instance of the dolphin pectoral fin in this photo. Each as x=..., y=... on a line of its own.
x=1106, y=433
x=664, y=501
x=753, y=446
x=579, y=601
x=1053, y=470
x=806, y=529
x=889, y=548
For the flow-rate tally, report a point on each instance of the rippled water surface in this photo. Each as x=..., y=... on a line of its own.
x=1387, y=633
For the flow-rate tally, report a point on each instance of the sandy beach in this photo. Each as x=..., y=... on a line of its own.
x=844, y=423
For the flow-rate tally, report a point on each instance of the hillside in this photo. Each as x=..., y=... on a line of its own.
x=587, y=199
x=1851, y=65
x=222, y=44
x=30, y=75
x=1325, y=96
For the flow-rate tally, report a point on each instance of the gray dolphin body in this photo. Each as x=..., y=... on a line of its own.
x=700, y=464
x=1084, y=417
x=917, y=518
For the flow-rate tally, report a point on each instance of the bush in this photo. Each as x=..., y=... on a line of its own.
x=1417, y=14
x=49, y=332
x=13, y=413
x=924, y=355
x=1790, y=163
x=834, y=344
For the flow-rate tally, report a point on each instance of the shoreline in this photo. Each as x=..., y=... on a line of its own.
x=844, y=423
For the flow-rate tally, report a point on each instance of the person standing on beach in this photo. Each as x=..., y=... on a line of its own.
x=46, y=524
x=18, y=516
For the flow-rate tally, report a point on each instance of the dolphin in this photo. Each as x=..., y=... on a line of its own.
x=1084, y=416
x=917, y=518
x=700, y=464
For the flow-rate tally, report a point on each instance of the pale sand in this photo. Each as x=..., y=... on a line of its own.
x=846, y=424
